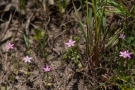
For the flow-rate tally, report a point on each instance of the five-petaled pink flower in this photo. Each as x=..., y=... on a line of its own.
x=27, y=59
x=122, y=36
x=125, y=54
x=128, y=54
x=46, y=69
x=9, y=46
x=70, y=43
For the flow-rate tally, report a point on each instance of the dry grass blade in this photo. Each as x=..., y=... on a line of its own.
x=8, y=6
x=5, y=27
x=28, y=23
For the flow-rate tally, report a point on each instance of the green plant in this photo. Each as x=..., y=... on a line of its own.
x=41, y=38
x=71, y=53
x=46, y=70
x=27, y=60
x=99, y=38
x=95, y=28
x=62, y=4
x=22, y=4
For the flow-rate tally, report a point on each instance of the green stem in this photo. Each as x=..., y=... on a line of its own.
x=27, y=68
x=88, y=32
x=95, y=48
x=47, y=77
x=95, y=17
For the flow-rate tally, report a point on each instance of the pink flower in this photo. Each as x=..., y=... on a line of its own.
x=122, y=36
x=27, y=59
x=9, y=46
x=125, y=54
x=128, y=54
x=46, y=69
x=70, y=43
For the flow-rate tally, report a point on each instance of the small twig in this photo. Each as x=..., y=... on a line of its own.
x=6, y=27
x=28, y=24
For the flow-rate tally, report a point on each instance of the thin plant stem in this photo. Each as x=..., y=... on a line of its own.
x=27, y=68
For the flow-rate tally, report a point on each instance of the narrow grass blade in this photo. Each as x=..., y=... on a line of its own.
x=23, y=4
x=80, y=22
x=59, y=6
x=26, y=40
x=38, y=34
x=112, y=40
x=121, y=8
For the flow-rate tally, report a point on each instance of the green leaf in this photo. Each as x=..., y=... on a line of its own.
x=89, y=17
x=79, y=65
x=120, y=8
x=38, y=34
x=112, y=40
x=1, y=20
x=5, y=87
x=65, y=3
x=59, y=6
x=26, y=40
x=23, y=4
x=80, y=22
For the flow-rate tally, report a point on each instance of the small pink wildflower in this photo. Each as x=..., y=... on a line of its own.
x=122, y=36
x=9, y=46
x=27, y=59
x=46, y=69
x=128, y=54
x=125, y=54
x=70, y=43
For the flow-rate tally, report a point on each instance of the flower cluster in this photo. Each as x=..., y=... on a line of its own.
x=28, y=59
x=125, y=54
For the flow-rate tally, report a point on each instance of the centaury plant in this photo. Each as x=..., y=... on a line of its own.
x=8, y=47
x=71, y=53
x=47, y=77
x=27, y=59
